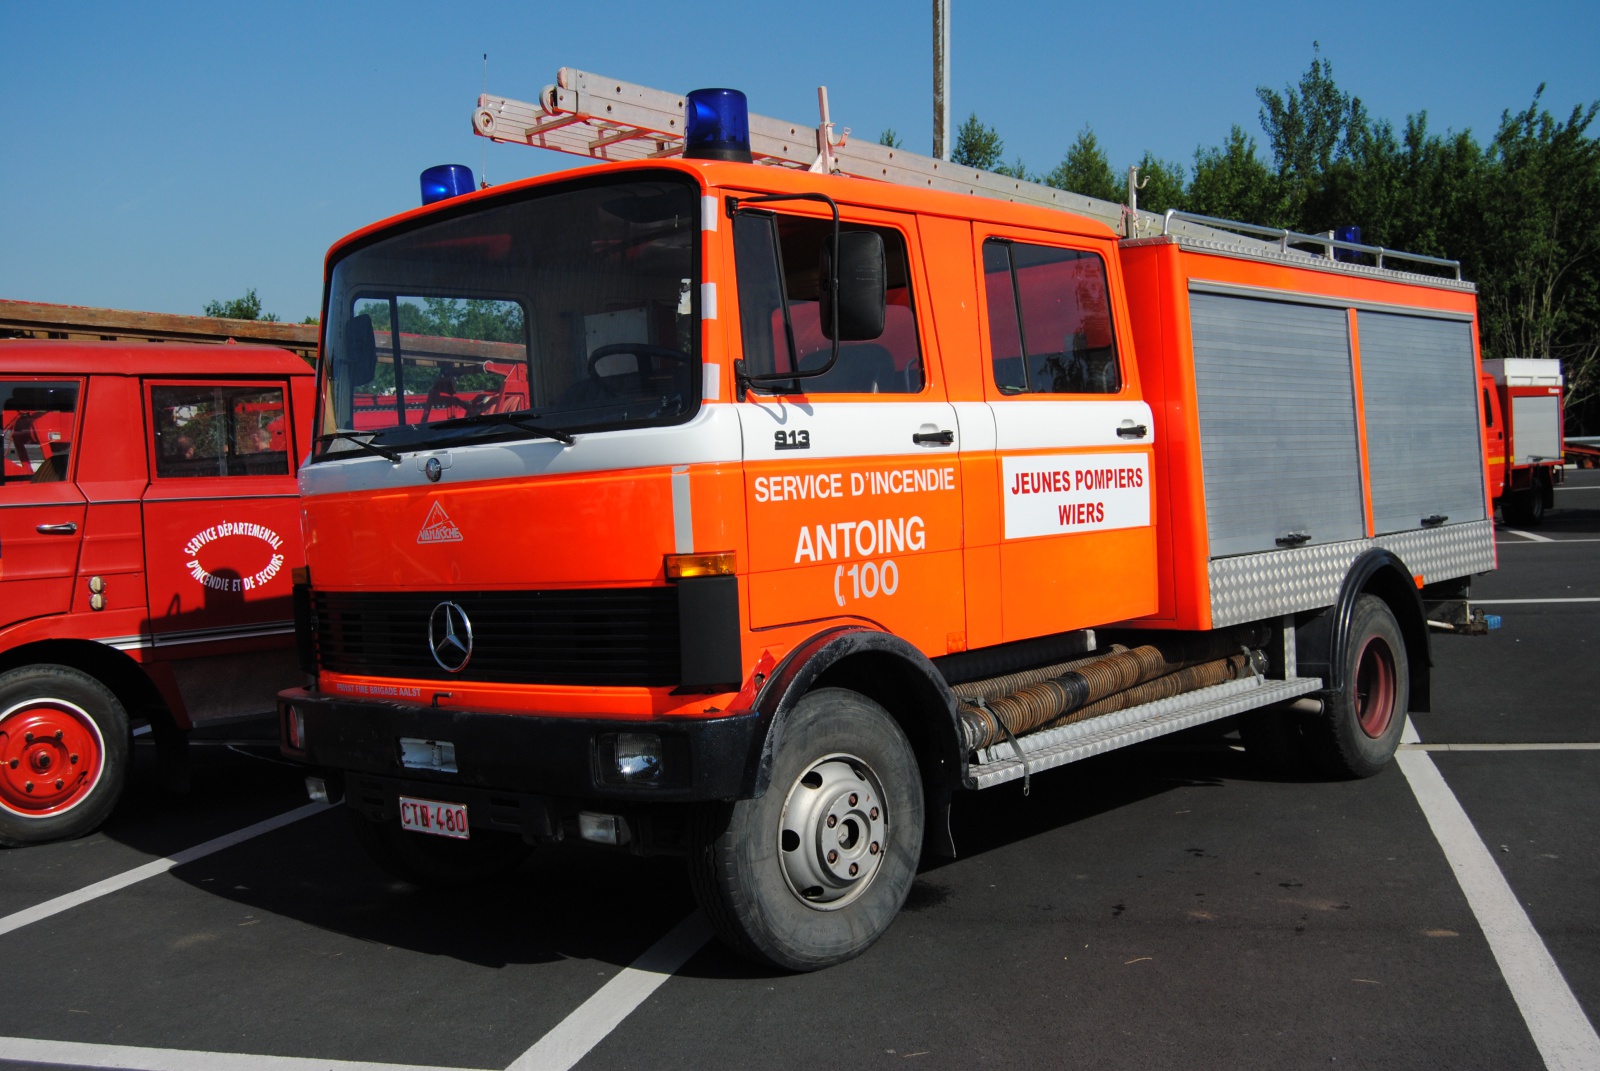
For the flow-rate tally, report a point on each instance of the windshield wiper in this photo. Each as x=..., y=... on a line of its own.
x=388, y=455
x=491, y=419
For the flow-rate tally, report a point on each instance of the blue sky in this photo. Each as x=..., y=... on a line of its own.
x=156, y=156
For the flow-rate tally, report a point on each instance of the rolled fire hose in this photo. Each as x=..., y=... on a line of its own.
x=989, y=715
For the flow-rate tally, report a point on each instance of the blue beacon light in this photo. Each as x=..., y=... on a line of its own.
x=718, y=126
x=446, y=181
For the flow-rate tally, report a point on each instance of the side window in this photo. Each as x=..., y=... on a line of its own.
x=219, y=430
x=40, y=418
x=1488, y=410
x=1050, y=326
x=779, y=273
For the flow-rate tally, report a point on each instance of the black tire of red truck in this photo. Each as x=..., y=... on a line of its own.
x=1360, y=725
x=64, y=753
x=814, y=871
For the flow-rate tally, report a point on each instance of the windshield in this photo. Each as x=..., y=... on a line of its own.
x=573, y=310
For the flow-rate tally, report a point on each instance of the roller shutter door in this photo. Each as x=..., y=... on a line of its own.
x=1277, y=422
x=1420, y=392
x=1536, y=427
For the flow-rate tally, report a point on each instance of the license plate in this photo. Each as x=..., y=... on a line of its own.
x=435, y=817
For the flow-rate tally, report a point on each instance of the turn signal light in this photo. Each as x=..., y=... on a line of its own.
x=684, y=566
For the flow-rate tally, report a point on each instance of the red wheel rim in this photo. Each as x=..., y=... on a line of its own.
x=51, y=757
x=1375, y=687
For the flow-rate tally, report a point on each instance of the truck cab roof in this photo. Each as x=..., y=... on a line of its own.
x=68, y=357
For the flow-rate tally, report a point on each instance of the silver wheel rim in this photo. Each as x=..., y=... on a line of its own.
x=833, y=832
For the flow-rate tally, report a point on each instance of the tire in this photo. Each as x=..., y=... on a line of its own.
x=1524, y=508
x=1359, y=728
x=64, y=748
x=1534, y=512
x=438, y=862
x=844, y=781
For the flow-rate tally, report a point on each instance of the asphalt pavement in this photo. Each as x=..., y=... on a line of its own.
x=1163, y=906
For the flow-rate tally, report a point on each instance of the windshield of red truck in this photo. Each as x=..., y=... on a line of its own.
x=571, y=309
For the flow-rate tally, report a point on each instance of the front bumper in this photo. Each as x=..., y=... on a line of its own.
x=703, y=758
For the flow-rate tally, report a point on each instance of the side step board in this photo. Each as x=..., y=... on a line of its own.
x=1056, y=747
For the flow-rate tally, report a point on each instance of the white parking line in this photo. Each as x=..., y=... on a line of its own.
x=1562, y=1033
x=1516, y=602
x=1528, y=535
x=110, y=885
x=588, y=1025
x=78, y=1054
x=1501, y=747
x=1557, y=542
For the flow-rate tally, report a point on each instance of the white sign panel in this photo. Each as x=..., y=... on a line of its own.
x=1058, y=494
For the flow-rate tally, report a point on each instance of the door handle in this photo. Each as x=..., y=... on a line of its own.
x=69, y=528
x=1293, y=539
x=933, y=438
x=1130, y=430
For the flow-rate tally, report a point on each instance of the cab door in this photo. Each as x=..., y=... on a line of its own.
x=221, y=514
x=1073, y=438
x=42, y=511
x=852, y=483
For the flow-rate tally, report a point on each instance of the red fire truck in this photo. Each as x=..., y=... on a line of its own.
x=830, y=490
x=148, y=530
x=1523, y=437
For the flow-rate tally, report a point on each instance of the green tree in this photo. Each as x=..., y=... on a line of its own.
x=247, y=307
x=1086, y=170
x=1309, y=127
x=1161, y=184
x=978, y=145
x=1017, y=170
x=1230, y=181
x=890, y=138
x=1541, y=219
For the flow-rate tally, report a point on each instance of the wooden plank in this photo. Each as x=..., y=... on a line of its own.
x=81, y=320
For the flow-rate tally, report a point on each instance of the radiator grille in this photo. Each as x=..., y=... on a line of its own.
x=605, y=636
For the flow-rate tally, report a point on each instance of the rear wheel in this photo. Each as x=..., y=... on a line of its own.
x=63, y=754
x=1360, y=727
x=438, y=862
x=813, y=872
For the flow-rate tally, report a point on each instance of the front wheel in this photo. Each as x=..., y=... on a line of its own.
x=813, y=872
x=1360, y=727
x=63, y=754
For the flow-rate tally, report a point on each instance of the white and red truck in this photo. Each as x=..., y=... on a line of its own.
x=1522, y=428
x=790, y=490
x=149, y=527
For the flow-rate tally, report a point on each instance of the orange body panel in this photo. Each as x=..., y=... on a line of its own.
x=1158, y=279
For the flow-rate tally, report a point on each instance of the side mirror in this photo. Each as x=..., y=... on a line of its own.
x=359, y=351
x=863, y=280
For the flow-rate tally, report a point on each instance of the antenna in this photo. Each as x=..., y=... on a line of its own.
x=483, y=166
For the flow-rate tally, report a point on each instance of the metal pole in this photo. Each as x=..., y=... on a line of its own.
x=941, y=79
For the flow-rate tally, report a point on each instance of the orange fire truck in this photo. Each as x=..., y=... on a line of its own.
x=1522, y=434
x=148, y=529
x=836, y=481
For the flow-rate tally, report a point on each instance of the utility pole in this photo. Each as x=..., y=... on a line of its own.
x=941, y=79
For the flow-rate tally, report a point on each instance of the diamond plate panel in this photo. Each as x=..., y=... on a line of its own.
x=1253, y=587
x=1070, y=743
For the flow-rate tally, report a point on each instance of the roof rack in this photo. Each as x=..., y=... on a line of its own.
x=1327, y=242
x=609, y=119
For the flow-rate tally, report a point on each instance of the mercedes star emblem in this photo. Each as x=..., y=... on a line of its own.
x=433, y=469
x=450, y=637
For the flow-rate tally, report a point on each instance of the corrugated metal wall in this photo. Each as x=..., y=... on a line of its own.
x=1535, y=425
x=1420, y=391
x=1277, y=422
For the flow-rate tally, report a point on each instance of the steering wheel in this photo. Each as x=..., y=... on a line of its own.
x=656, y=354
